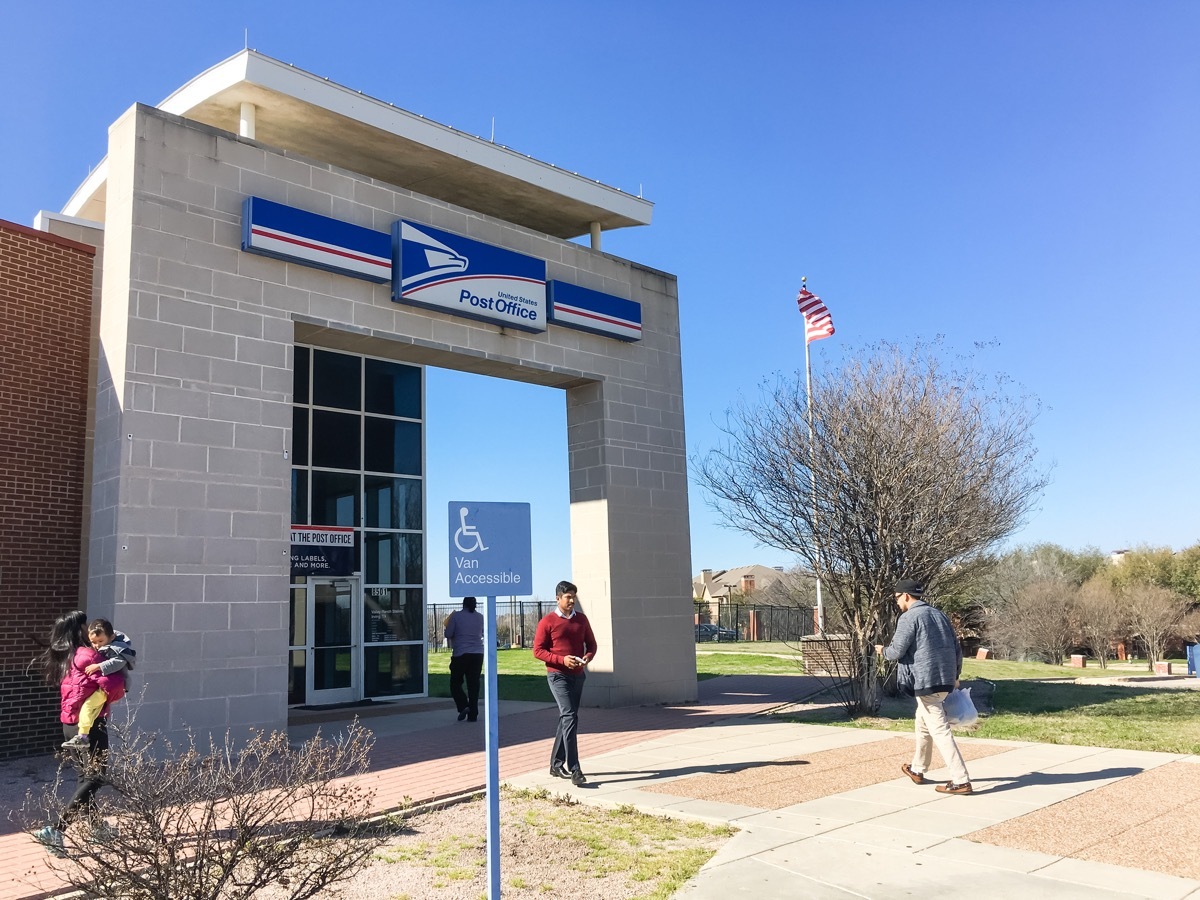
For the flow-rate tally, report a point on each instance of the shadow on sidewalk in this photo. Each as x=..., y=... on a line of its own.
x=1035, y=779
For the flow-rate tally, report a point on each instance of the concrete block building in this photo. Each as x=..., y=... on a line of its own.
x=277, y=261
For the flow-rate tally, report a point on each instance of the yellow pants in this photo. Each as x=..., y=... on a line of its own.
x=91, y=710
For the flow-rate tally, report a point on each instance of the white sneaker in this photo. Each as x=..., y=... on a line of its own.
x=52, y=839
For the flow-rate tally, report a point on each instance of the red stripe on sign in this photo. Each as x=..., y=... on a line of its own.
x=597, y=317
x=321, y=247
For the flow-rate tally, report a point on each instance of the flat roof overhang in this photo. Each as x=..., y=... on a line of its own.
x=301, y=112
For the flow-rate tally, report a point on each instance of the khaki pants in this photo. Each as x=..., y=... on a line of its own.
x=932, y=728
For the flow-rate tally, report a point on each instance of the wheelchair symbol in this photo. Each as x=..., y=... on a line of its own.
x=467, y=533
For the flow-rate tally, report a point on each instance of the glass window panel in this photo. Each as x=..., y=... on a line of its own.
x=393, y=558
x=335, y=440
x=391, y=671
x=300, y=376
x=300, y=497
x=391, y=502
x=331, y=614
x=393, y=446
x=297, y=627
x=334, y=498
x=392, y=614
x=296, y=677
x=393, y=389
x=337, y=380
x=331, y=668
x=299, y=436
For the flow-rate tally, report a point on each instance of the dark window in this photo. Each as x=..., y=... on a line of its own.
x=331, y=668
x=393, y=389
x=297, y=634
x=392, y=446
x=335, y=441
x=334, y=498
x=300, y=497
x=337, y=380
x=392, y=558
x=392, y=614
x=299, y=436
x=296, y=677
x=394, y=670
x=392, y=502
x=300, y=376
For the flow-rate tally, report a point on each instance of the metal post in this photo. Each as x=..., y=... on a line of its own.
x=813, y=472
x=491, y=702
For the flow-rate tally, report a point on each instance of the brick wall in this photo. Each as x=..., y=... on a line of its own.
x=45, y=322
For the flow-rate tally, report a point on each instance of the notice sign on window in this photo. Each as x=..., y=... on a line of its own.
x=319, y=550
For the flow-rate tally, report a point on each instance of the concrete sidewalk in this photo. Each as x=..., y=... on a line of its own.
x=889, y=839
x=822, y=811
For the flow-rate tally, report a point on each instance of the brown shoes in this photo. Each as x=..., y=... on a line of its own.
x=917, y=777
x=952, y=788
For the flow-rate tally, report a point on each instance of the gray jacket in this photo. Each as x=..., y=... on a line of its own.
x=926, y=649
x=119, y=654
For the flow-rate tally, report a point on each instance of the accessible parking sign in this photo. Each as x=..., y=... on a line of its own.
x=490, y=549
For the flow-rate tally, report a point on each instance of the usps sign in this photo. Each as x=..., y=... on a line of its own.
x=455, y=274
x=490, y=549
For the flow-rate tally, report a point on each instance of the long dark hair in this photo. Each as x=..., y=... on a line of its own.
x=67, y=634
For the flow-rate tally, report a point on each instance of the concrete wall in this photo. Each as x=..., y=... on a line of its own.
x=191, y=498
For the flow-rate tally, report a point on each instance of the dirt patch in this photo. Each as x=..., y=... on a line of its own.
x=1147, y=822
x=811, y=776
x=548, y=847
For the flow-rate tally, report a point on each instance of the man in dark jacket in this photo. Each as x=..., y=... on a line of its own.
x=930, y=660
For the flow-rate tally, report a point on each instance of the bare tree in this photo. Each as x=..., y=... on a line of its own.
x=1155, y=615
x=1009, y=630
x=222, y=822
x=1102, y=618
x=1046, y=614
x=911, y=470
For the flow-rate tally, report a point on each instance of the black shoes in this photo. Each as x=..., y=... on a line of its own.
x=472, y=717
x=558, y=770
x=462, y=714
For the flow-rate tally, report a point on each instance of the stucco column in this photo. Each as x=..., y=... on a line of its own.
x=630, y=542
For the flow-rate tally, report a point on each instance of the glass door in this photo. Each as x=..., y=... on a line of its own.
x=334, y=651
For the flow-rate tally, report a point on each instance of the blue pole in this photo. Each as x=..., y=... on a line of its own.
x=491, y=699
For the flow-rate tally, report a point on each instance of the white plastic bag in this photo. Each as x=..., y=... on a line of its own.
x=959, y=708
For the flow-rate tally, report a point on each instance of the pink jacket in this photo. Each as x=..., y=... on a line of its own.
x=78, y=685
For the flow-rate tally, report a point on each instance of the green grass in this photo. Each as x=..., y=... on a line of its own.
x=1003, y=670
x=523, y=677
x=1127, y=717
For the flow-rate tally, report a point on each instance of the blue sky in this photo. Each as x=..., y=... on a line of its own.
x=1022, y=174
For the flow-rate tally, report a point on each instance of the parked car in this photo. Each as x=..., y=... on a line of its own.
x=706, y=631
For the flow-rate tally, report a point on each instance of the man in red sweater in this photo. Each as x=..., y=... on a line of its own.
x=565, y=643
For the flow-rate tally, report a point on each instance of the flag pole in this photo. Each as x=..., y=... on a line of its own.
x=811, y=460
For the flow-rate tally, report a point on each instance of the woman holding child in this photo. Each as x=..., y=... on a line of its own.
x=86, y=662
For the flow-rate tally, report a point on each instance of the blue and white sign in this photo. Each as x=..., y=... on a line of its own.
x=455, y=274
x=490, y=549
x=599, y=313
x=323, y=550
x=294, y=235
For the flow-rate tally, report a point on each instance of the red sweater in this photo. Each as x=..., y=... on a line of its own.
x=557, y=638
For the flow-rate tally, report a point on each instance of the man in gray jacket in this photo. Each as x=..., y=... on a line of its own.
x=930, y=660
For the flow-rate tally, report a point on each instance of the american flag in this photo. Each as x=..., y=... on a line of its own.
x=817, y=321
